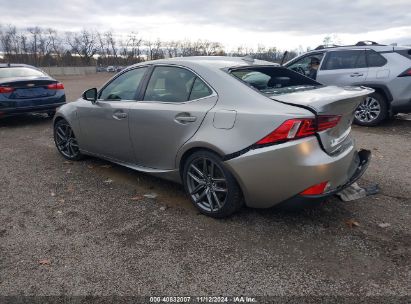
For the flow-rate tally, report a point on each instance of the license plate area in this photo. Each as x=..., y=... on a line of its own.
x=30, y=93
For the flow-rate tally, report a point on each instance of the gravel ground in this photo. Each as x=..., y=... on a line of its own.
x=85, y=228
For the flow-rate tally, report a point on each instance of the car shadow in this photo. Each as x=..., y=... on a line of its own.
x=331, y=213
x=23, y=120
x=172, y=195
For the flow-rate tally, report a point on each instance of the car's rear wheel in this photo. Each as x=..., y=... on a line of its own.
x=211, y=187
x=66, y=141
x=372, y=111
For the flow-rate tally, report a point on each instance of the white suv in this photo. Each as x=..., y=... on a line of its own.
x=387, y=69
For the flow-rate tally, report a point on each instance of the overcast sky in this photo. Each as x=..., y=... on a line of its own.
x=285, y=24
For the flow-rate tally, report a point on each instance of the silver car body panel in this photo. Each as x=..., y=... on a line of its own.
x=277, y=173
x=150, y=138
x=102, y=132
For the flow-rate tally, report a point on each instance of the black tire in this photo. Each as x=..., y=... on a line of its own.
x=363, y=114
x=223, y=203
x=65, y=141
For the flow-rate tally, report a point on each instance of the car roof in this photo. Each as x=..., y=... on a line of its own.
x=217, y=62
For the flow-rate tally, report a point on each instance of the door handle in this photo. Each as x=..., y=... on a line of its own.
x=119, y=115
x=356, y=75
x=185, y=118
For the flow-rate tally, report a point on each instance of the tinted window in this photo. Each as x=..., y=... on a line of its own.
x=124, y=87
x=304, y=64
x=199, y=90
x=170, y=84
x=345, y=60
x=375, y=60
x=19, y=72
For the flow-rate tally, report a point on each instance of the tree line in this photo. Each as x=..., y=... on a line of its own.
x=49, y=47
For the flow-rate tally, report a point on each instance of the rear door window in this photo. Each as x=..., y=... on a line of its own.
x=374, y=59
x=175, y=84
x=339, y=60
x=199, y=90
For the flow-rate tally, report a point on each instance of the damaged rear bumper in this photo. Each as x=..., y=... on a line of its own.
x=302, y=200
x=272, y=175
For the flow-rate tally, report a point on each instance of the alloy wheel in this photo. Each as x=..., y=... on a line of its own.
x=207, y=184
x=368, y=110
x=66, y=141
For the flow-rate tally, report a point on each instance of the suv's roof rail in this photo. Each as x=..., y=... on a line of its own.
x=367, y=42
x=359, y=43
x=320, y=47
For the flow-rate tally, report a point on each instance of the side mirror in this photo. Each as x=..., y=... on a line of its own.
x=90, y=95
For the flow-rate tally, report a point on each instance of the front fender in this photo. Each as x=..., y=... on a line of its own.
x=68, y=112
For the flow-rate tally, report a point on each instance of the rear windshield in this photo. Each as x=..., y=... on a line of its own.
x=19, y=72
x=274, y=80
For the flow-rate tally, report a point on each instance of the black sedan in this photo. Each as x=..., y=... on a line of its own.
x=25, y=89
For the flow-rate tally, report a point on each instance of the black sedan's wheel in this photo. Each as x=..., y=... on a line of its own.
x=211, y=187
x=371, y=111
x=66, y=141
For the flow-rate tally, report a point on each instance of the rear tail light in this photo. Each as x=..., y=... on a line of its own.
x=327, y=122
x=298, y=128
x=316, y=189
x=5, y=90
x=405, y=73
x=56, y=86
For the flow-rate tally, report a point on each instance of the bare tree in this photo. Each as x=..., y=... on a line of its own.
x=84, y=44
x=35, y=33
x=111, y=45
x=134, y=43
x=47, y=46
x=6, y=40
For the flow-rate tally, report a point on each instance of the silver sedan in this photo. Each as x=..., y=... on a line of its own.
x=234, y=131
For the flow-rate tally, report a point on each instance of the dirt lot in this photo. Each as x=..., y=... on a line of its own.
x=74, y=228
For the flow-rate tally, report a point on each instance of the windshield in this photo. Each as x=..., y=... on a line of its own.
x=19, y=72
x=274, y=80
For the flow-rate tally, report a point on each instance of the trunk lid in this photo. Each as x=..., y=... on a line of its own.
x=29, y=87
x=330, y=100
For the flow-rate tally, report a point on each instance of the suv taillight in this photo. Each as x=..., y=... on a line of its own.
x=405, y=73
x=298, y=128
x=5, y=90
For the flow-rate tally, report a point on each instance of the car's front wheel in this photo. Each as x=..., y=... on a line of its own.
x=66, y=141
x=372, y=111
x=211, y=187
